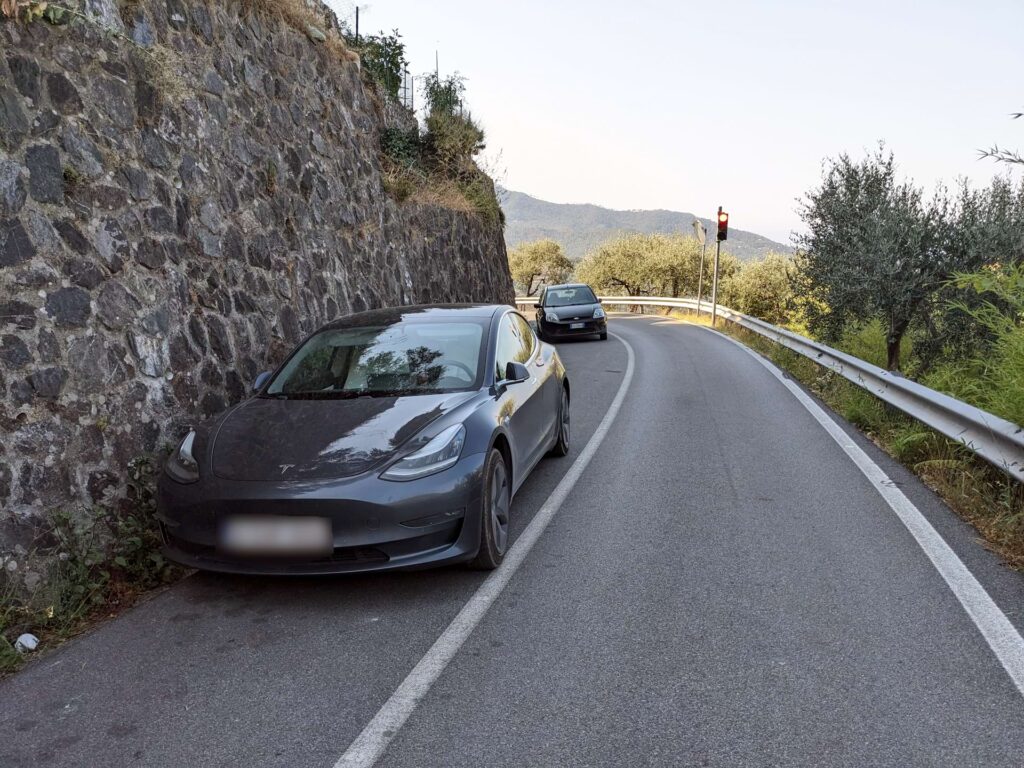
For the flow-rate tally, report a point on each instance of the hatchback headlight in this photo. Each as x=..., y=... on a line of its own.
x=598, y=313
x=440, y=453
x=551, y=317
x=182, y=465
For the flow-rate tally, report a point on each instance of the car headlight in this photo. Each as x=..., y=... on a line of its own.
x=182, y=465
x=551, y=317
x=441, y=452
x=598, y=313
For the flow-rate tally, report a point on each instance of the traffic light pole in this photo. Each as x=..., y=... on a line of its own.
x=714, y=286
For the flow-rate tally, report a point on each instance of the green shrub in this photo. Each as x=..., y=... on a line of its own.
x=452, y=141
x=867, y=341
x=993, y=379
x=403, y=147
x=763, y=289
x=95, y=561
x=444, y=95
x=383, y=59
x=437, y=167
x=479, y=192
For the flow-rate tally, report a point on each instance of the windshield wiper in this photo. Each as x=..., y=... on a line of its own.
x=350, y=394
x=316, y=395
x=401, y=392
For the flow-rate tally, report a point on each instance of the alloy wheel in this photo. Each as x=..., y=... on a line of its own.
x=564, y=427
x=500, y=504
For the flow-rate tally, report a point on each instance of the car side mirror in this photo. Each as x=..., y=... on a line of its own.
x=260, y=381
x=599, y=301
x=538, y=305
x=516, y=372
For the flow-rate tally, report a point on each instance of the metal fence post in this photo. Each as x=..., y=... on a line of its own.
x=700, y=275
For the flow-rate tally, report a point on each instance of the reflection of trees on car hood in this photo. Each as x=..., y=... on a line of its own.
x=321, y=438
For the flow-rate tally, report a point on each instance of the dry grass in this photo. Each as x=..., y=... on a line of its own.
x=300, y=16
x=444, y=194
x=166, y=71
x=411, y=186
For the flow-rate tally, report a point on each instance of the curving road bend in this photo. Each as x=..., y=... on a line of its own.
x=723, y=587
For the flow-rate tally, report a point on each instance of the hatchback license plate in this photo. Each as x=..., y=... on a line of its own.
x=574, y=326
x=276, y=535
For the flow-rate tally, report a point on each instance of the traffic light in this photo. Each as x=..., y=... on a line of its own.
x=723, y=225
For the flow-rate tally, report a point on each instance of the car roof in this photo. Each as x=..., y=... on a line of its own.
x=415, y=313
x=566, y=285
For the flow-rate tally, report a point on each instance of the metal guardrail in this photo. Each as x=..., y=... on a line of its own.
x=998, y=441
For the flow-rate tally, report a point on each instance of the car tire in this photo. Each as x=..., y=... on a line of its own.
x=604, y=336
x=561, y=446
x=495, y=506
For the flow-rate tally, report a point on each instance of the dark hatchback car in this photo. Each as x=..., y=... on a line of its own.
x=388, y=439
x=570, y=310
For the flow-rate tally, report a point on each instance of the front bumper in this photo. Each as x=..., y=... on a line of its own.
x=376, y=524
x=564, y=329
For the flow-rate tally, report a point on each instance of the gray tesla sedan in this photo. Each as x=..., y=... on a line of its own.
x=392, y=438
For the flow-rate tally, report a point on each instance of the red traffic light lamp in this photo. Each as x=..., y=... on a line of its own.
x=723, y=225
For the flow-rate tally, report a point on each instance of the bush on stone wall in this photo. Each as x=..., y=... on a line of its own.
x=438, y=165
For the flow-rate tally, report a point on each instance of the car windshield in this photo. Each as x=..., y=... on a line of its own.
x=564, y=297
x=400, y=359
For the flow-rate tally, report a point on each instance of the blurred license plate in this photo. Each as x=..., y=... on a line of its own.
x=574, y=326
x=267, y=535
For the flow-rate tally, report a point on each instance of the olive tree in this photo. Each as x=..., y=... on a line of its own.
x=538, y=263
x=874, y=247
x=986, y=233
x=763, y=288
x=638, y=264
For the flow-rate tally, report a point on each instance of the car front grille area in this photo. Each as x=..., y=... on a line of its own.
x=589, y=326
x=340, y=555
x=343, y=556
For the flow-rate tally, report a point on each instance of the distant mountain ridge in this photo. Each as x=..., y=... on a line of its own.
x=580, y=228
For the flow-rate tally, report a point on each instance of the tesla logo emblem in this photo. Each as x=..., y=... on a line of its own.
x=285, y=467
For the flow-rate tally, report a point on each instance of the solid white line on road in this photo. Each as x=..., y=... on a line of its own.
x=1000, y=634
x=375, y=737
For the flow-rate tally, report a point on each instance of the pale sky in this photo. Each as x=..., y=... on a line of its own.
x=689, y=106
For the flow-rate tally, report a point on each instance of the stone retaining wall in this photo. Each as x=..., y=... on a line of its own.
x=183, y=196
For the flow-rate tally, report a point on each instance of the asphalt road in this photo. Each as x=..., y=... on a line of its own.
x=723, y=587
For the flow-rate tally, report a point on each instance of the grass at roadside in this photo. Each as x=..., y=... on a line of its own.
x=987, y=498
x=91, y=566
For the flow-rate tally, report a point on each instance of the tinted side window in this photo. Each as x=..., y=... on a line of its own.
x=526, y=334
x=511, y=346
x=507, y=348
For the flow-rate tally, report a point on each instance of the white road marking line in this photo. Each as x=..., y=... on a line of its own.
x=369, y=745
x=998, y=631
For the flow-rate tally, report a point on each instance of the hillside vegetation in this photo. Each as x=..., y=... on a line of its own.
x=580, y=229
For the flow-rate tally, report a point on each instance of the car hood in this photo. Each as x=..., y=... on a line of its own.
x=573, y=311
x=267, y=439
